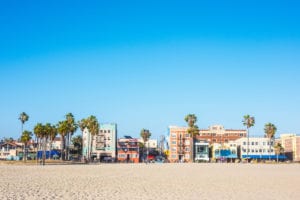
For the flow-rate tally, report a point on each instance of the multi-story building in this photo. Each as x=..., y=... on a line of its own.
x=128, y=149
x=291, y=146
x=259, y=148
x=218, y=134
x=180, y=145
x=104, y=143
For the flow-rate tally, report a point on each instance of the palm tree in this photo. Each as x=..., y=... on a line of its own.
x=193, y=130
x=93, y=127
x=145, y=135
x=83, y=125
x=51, y=133
x=23, y=117
x=72, y=127
x=25, y=138
x=278, y=149
x=62, y=129
x=270, y=130
x=39, y=133
x=77, y=142
x=248, y=122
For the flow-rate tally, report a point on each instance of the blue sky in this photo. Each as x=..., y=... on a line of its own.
x=146, y=64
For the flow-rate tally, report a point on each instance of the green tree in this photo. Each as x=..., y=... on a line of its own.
x=278, y=149
x=23, y=117
x=63, y=130
x=270, y=130
x=41, y=135
x=248, y=122
x=83, y=124
x=93, y=127
x=77, y=143
x=72, y=127
x=25, y=138
x=145, y=135
x=51, y=133
x=192, y=130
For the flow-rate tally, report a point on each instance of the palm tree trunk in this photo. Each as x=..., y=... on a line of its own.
x=50, y=147
x=91, y=140
x=62, y=147
x=270, y=149
x=247, y=145
x=67, y=146
x=37, y=150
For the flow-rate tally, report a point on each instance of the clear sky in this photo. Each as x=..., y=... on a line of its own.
x=146, y=64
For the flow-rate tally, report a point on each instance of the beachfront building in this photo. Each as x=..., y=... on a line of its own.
x=218, y=134
x=10, y=150
x=226, y=152
x=180, y=144
x=128, y=150
x=151, y=143
x=259, y=148
x=201, y=151
x=291, y=146
x=104, y=143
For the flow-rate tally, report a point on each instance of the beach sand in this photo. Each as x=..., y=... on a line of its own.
x=152, y=181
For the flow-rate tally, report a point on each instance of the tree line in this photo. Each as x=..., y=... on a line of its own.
x=46, y=133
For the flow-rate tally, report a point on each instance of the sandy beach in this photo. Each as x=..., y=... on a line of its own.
x=153, y=181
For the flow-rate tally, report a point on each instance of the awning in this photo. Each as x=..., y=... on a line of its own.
x=265, y=157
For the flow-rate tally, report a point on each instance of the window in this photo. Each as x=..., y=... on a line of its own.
x=173, y=149
x=173, y=142
x=214, y=140
x=252, y=143
x=260, y=150
x=173, y=135
x=241, y=134
x=173, y=156
x=104, y=131
x=187, y=149
x=264, y=143
x=244, y=143
x=252, y=150
x=187, y=156
x=108, y=131
x=187, y=135
x=122, y=155
x=256, y=143
x=226, y=141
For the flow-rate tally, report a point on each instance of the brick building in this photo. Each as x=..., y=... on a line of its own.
x=128, y=149
x=180, y=144
x=218, y=134
x=291, y=145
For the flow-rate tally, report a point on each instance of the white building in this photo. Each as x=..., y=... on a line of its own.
x=151, y=143
x=259, y=148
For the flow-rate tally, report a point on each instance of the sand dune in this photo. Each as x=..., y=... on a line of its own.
x=154, y=181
